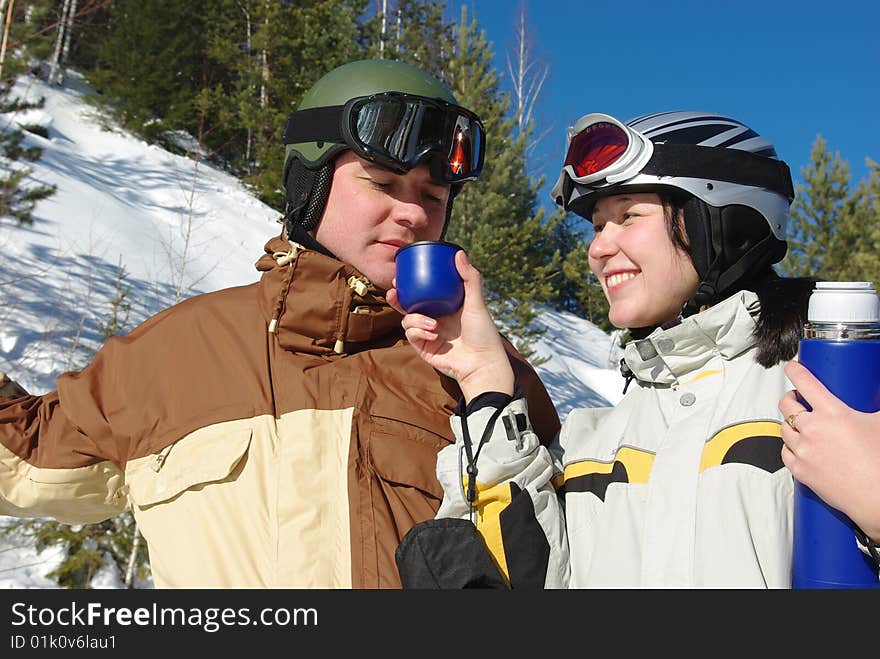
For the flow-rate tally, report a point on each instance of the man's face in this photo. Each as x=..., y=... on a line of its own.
x=372, y=212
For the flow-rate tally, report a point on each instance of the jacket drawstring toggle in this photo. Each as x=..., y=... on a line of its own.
x=283, y=259
x=360, y=286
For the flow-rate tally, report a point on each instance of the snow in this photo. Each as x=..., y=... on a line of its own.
x=121, y=203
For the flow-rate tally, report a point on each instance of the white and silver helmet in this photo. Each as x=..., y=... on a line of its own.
x=735, y=191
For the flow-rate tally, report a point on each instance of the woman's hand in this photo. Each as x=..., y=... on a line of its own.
x=833, y=449
x=465, y=345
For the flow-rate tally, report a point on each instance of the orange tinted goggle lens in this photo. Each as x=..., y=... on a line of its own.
x=460, y=157
x=596, y=147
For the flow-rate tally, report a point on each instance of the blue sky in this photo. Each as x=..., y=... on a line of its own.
x=790, y=69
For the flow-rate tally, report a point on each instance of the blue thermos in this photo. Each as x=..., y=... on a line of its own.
x=841, y=347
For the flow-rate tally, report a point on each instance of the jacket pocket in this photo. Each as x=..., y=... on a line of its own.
x=203, y=457
x=405, y=454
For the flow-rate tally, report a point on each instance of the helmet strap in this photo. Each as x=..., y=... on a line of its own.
x=297, y=234
x=454, y=189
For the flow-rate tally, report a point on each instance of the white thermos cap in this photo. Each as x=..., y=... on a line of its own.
x=844, y=302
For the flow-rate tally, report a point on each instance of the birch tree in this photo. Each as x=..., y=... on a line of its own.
x=9, y=6
x=65, y=49
x=55, y=60
x=527, y=76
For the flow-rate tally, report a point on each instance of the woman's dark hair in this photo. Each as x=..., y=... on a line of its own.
x=780, y=326
x=673, y=208
x=783, y=300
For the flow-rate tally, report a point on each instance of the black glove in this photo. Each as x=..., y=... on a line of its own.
x=446, y=554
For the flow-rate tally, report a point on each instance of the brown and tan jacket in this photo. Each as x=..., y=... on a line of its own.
x=280, y=434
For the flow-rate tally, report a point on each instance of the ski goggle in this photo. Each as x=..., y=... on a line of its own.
x=602, y=150
x=399, y=131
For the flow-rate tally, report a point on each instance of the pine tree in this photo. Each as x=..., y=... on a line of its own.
x=816, y=215
x=417, y=32
x=32, y=32
x=151, y=87
x=294, y=45
x=495, y=218
x=834, y=233
x=19, y=193
x=227, y=72
x=855, y=253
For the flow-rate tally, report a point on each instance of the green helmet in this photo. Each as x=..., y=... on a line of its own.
x=334, y=112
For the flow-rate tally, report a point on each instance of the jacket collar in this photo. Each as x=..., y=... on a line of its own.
x=725, y=329
x=313, y=303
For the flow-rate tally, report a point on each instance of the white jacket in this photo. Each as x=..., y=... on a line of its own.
x=680, y=485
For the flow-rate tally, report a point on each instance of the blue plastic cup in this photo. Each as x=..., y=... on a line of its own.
x=427, y=280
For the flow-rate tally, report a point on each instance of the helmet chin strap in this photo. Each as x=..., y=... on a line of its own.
x=454, y=189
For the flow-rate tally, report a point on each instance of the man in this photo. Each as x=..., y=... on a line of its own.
x=281, y=434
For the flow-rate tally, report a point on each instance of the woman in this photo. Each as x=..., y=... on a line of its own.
x=682, y=483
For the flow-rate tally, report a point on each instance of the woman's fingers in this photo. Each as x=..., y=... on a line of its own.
x=792, y=412
x=808, y=386
x=392, y=299
x=789, y=404
x=791, y=409
x=473, y=280
x=420, y=321
x=414, y=335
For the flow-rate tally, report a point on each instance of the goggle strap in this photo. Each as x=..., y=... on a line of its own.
x=314, y=125
x=730, y=165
